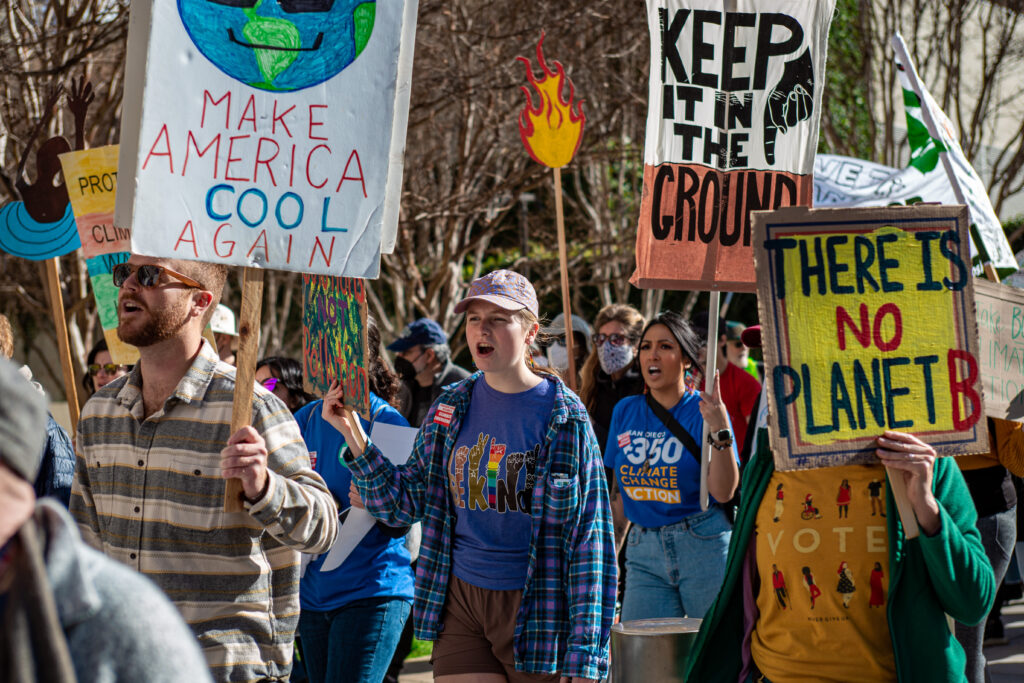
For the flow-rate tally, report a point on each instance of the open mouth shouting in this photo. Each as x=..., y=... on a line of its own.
x=484, y=350
x=127, y=307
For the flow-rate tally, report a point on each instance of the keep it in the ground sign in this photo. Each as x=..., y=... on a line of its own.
x=868, y=324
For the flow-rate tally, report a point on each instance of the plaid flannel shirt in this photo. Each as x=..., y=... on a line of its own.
x=564, y=621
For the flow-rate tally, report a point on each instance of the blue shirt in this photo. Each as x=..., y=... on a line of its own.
x=491, y=474
x=658, y=477
x=379, y=565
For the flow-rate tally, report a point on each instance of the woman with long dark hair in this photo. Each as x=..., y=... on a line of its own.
x=675, y=553
x=516, y=576
x=352, y=615
x=282, y=376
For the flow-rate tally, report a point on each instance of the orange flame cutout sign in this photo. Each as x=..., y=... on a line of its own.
x=551, y=130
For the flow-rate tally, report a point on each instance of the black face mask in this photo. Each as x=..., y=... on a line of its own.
x=405, y=369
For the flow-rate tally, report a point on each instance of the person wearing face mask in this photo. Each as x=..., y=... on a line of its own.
x=423, y=361
x=558, y=352
x=610, y=373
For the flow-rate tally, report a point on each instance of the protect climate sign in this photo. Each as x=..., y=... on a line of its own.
x=732, y=127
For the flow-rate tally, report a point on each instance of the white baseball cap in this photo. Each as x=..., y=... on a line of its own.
x=223, y=321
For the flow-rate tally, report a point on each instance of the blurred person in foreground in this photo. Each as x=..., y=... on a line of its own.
x=67, y=612
x=154, y=451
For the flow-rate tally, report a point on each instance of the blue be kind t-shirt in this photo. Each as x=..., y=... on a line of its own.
x=379, y=565
x=491, y=474
x=658, y=477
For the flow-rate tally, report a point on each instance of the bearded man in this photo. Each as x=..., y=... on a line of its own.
x=154, y=451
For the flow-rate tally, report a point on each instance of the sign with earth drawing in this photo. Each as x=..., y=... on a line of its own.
x=732, y=127
x=266, y=133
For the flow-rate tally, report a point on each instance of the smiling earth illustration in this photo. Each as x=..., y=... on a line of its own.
x=279, y=45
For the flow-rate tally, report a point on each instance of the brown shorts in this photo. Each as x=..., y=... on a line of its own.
x=477, y=636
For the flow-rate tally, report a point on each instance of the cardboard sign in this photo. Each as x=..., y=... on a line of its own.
x=1001, y=348
x=334, y=337
x=265, y=134
x=868, y=324
x=732, y=127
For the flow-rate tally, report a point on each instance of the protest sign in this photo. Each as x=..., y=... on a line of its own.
x=869, y=324
x=938, y=172
x=334, y=337
x=91, y=179
x=1001, y=348
x=732, y=127
x=279, y=144
x=551, y=130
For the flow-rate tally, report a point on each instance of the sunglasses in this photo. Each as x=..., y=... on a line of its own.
x=290, y=6
x=148, y=276
x=614, y=339
x=270, y=383
x=109, y=368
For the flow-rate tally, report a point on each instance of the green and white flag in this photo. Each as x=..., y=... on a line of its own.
x=938, y=172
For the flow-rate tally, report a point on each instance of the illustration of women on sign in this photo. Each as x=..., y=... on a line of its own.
x=811, y=586
x=845, y=586
x=843, y=499
x=42, y=226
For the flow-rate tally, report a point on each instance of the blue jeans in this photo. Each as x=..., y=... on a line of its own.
x=676, y=570
x=352, y=643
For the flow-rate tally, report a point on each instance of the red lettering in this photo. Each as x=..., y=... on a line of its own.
x=162, y=135
x=216, y=244
x=312, y=123
x=250, y=109
x=227, y=165
x=309, y=162
x=227, y=113
x=275, y=118
x=964, y=387
x=181, y=239
x=291, y=169
x=261, y=237
x=265, y=162
x=863, y=335
x=345, y=176
x=191, y=142
x=897, y=318
x=289, y=259
x=318, y=246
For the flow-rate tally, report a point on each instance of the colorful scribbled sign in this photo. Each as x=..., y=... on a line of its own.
x=551, y=129
x=334, y=337
x=868, y=324
x=280, y=144
x=732, y=127
x=1001, y=348
x=91, y=179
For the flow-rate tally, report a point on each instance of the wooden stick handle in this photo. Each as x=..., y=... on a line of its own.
x=906, y=509
x=245, y=370
x=714, y=308
x=563, y=266
x=63, y=348
x=356, y=435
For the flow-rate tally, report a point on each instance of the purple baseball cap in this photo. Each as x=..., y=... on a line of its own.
x=504, y=288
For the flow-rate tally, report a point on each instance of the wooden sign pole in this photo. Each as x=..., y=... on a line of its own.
x=563, y=265
x=710, y=365
x=245, y=369
x=903, y=504
x=63, y=348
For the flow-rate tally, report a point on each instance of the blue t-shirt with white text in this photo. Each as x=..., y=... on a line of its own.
x=491, y=474
x=658, y=477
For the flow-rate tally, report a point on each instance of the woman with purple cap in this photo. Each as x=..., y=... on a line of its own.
x=516, y=577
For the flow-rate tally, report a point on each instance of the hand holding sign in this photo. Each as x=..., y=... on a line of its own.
x=911, y=461
x=341, y=417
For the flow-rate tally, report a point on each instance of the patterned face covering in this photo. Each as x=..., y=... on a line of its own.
x=614, y=358
x=558, y=356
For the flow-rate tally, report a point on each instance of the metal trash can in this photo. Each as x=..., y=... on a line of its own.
x=652, y=650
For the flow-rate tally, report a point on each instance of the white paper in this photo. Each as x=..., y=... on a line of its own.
x=395, y=443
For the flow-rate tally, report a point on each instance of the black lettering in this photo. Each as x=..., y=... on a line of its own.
x=834, y=266
x=766, y=48
x=703, y=51
x=884, y=264
x=732, y=53
x=925, y=238
x=669, y=39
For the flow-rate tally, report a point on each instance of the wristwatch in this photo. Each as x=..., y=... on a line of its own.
x=721, y=439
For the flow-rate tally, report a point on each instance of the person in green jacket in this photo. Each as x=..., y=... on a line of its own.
x=862, y=561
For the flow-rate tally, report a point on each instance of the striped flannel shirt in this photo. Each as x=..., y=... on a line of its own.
x=149, y=492
x=564, y=621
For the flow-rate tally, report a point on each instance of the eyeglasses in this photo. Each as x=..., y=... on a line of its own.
x=148, y=275
x=270, y=383
x=109, y=368
x=615, y=339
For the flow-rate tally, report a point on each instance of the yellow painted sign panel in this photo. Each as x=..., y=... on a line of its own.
x=869, y=324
